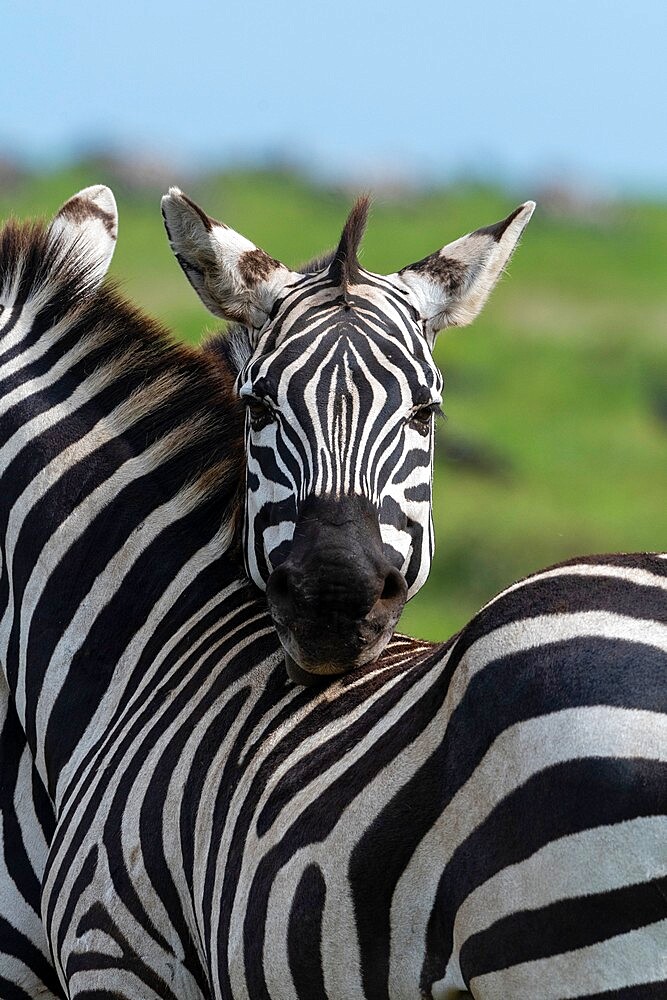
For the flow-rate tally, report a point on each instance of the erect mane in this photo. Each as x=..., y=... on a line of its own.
x=344, y=268
x=182, y=392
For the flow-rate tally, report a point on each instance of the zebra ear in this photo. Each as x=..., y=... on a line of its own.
x=233, y=278
x=86, y=228
x=451, y=286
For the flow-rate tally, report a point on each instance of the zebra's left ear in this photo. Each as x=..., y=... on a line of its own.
x=451, y=286
x=234, y=278
x=85, y=229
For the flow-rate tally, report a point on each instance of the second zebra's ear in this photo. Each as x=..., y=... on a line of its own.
x=450, y=287
x=233, y=277
x=85, y=231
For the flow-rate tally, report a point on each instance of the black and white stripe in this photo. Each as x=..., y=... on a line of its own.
x=27, y=823
x=486, y=813
x=490, y=814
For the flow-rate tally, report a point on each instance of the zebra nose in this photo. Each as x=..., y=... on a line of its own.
x=335, y=617
x=342, y=590
x=280, y=593
x=336, y=598
x=394, y=586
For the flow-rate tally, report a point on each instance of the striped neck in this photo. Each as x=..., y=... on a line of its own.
x=121, y=471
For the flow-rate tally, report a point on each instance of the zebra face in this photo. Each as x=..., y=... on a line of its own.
x=340, y=401
x=341, y=390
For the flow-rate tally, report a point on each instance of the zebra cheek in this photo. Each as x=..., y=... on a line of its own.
x=420, y=530
x=423, y=570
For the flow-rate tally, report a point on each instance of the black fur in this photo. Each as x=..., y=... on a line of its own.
x=344, y=269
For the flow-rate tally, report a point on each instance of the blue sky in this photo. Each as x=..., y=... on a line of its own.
x=422, y=89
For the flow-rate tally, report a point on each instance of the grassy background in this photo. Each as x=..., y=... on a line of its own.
x=555, y=442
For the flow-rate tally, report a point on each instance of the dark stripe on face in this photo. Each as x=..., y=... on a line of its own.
x=393, y=458
x=289, y=307
x=391, y=513
x=416, y=533
x=415, y=459
x=418, y=494
x=266, y=458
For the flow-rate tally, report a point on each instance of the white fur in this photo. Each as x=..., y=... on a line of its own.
x=210, y=256
x=484, y=260
x=88, y=237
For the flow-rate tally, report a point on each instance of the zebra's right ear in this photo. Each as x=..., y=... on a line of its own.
x=233, y=277
x=85, y=229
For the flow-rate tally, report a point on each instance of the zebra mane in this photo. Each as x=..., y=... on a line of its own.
x=344, y=268
x=181, y=393
x=28, y=256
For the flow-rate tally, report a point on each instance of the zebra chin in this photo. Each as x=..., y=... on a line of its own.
x=336, y=598
x=309, y=669
x=321, y=648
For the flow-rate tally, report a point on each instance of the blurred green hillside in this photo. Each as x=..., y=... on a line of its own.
x=555, y=442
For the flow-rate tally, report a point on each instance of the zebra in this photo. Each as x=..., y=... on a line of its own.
x=485, y=813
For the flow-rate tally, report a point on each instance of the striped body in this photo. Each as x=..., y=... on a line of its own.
x=487, y=813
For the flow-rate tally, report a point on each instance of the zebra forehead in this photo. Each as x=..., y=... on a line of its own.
x=361, y=347
x=315, y=304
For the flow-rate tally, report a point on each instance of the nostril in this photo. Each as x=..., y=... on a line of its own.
x=394, y=586
x=279, y=588
x=280, y=584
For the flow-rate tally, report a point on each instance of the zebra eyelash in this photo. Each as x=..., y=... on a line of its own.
x=432, y=409
x=420, y=417
x=259, y=410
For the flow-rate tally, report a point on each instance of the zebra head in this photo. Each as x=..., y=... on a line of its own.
x=336, y=371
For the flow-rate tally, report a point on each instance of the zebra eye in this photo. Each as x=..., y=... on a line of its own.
x=259, y=412
x=420, y=418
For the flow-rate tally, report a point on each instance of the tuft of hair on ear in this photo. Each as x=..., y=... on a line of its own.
x=344, y=268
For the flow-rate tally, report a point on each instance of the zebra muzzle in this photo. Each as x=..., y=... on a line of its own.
x=335, y=600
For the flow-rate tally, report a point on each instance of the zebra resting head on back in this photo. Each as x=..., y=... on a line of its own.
x=180, y=823
x=336, y=371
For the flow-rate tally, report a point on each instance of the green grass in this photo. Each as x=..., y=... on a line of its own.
x=558, y=378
